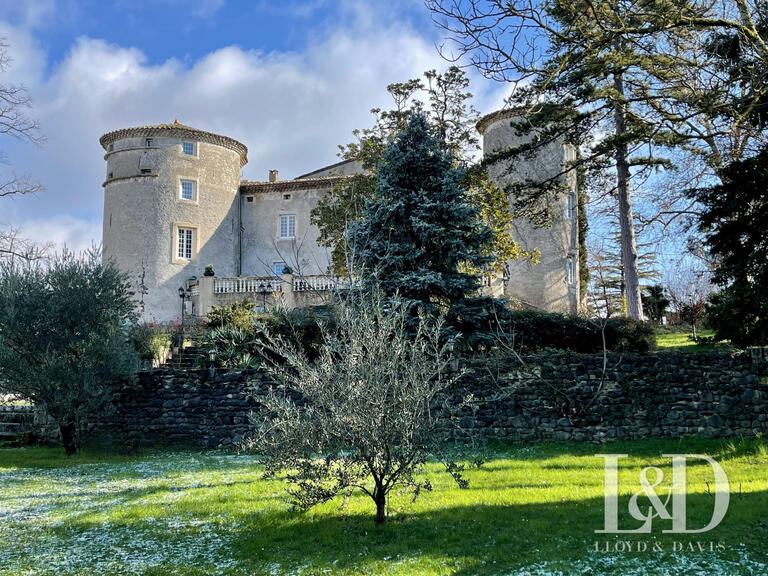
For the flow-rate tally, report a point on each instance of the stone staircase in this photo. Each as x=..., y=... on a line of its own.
x=15, y=421
x=184, y=359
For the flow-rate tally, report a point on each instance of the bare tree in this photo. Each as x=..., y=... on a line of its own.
x=14, y=122
x=689, y=287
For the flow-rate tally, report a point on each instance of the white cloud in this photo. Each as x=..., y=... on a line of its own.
x=62, y=231
x=207, y=8
x=290, y=108
x=29, y=13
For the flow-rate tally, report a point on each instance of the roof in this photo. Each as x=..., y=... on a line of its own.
x=489, y=119
x=176, y=130
x=251, y=187
x=329, y=168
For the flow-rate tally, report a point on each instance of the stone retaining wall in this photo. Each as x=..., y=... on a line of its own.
x=558, y=396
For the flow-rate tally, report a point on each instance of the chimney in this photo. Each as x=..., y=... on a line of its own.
x=273, y=176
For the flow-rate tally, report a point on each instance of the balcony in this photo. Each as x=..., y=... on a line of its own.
x=288, y=290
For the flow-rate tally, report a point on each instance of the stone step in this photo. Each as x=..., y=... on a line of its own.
x=16, y=408
x=11, y=425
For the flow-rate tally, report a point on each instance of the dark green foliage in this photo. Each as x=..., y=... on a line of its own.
x=655, y=302
x=735, y=223
x=63, y=341
x=531, y=330
x=422, y=229
x=237, y=334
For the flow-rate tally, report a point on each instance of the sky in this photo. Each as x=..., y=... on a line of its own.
x=290, y=79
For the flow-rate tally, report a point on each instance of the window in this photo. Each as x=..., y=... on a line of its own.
x=111, y=147
x=288, y=226
x=188, y=190
x=286, y=196
x=149, y=142
x=279, y=268
x=188, y=148
x=569, y=270
x=146, y=170
x=249, y=199
x=184, y=247
x=571, y=206
x=110, y=176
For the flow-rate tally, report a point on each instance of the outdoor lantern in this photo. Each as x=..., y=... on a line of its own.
x=454, y=362
x=181, y=292
x=212, y=355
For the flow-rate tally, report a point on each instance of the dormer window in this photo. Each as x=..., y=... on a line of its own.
x=149, y=142
x=188, y=148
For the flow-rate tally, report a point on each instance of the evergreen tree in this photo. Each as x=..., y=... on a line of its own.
x=421, y=233
x=655, y=302
x=637, y=84
x=445, y=100
x=735, y=222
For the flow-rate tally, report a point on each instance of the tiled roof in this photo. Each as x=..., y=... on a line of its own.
x=488, y=119
x=176, y=130
x=330, y=167
x=251, y=187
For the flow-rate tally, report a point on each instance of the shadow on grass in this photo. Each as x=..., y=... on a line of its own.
x=477, y=539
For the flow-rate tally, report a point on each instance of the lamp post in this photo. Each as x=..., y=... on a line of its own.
x=264, y=289
x=453, y=361
x=184, y=294
x=212, y=367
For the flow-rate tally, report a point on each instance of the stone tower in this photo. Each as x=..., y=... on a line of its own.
x=170, y=208
x=553, y=283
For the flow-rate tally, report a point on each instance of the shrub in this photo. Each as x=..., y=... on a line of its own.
x=150, y=341
x=234, y=346
x=239, y=314
x=532, y=330
x=63, y=342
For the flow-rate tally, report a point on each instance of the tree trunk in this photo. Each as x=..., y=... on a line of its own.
x=626, y=222
x=68, y=438
x=380, y=497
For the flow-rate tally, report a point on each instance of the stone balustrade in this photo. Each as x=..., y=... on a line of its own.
x=288, y=290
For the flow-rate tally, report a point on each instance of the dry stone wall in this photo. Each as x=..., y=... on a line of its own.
x=558, y=396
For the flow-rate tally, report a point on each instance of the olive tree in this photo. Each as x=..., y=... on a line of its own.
x=63, y=337
x=363, y=415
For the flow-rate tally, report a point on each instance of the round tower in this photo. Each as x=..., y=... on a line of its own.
x=170, y=209
x=552, y=284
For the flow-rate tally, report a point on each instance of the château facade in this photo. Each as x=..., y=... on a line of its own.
x=175, y=203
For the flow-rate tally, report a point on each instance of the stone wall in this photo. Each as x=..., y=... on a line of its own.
x=559, y=396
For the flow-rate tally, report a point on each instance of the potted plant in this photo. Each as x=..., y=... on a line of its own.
x=209, y=270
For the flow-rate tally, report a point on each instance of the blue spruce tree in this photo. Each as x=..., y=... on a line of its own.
x=422, y=237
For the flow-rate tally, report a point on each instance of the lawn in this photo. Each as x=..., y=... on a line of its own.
x=681, y=341
x=531, y=509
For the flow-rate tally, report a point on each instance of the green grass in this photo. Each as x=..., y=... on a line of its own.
x=681, y=341
x=531, y=509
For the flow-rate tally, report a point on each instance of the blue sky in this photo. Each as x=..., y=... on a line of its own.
x=290, y=79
